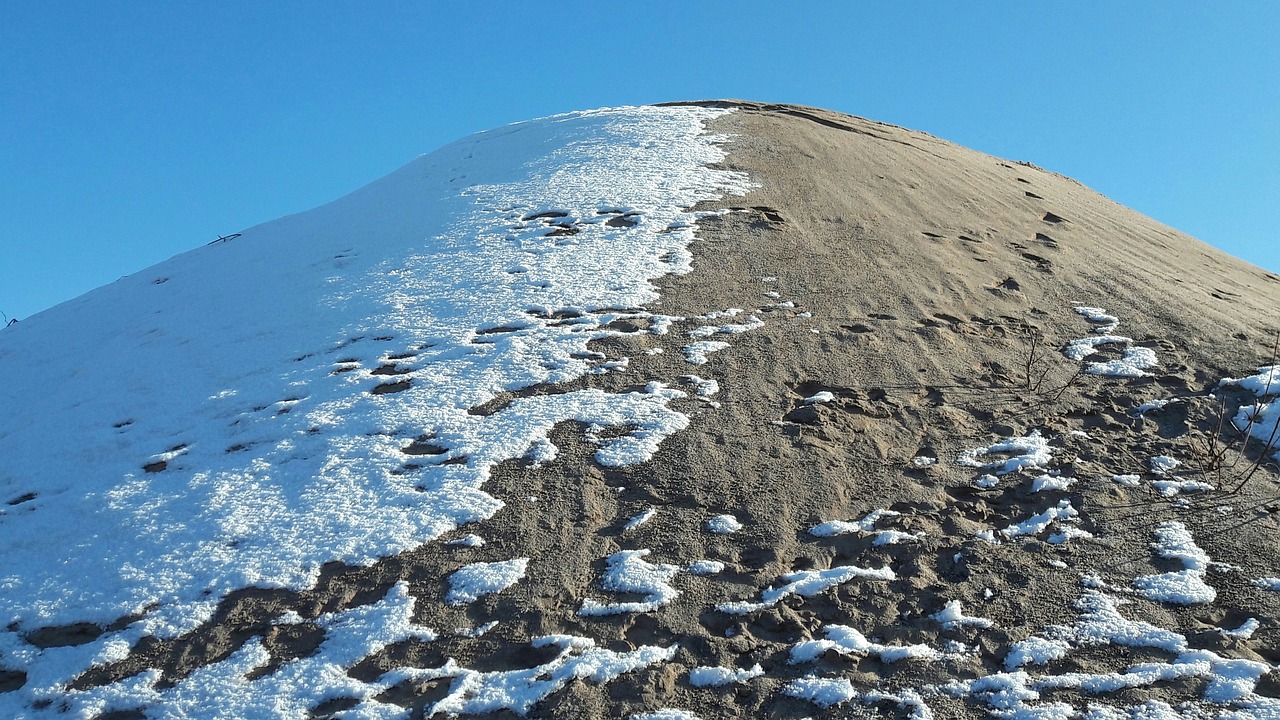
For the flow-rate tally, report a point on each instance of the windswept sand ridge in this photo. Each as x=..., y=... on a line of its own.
x=887, y=440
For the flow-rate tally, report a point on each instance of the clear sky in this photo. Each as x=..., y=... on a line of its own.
x=133, y=131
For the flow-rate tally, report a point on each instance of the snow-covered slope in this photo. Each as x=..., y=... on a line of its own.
x=245, y=412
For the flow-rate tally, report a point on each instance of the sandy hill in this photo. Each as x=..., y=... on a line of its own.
x=703, y=410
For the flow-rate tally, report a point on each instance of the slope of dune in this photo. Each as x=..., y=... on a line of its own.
x=714, y=409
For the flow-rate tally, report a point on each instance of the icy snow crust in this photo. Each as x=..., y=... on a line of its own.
x=442, y=276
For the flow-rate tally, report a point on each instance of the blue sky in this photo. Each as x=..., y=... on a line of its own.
x=134, y=131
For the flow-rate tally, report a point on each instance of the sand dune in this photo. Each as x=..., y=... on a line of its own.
x=952, y=441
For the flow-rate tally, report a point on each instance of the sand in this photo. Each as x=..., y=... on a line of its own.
x=920, y=274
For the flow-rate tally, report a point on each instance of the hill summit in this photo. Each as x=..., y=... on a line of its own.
x=700, y=410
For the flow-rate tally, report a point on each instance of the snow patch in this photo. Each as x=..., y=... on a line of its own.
x=469, y=540
x=627, y=572
x=952, y=617
x=702, y=387
x=1027, y=452
x=1051, y=482
x=846, y=640
x=1267, y=583
x=724, y=524
x=706, y=331
x=1262, y=422
x=841, y=527
x=666, y=714
x=806, y=583
x=471, y=582
x=823, y=692
x=1152, y=406
x=1244, y=631
x=706, y=567
x=1062, y=512
x=1170, y=488
x=719, y=676
x=696, y=352
x=1266, y=383
x=1183, y=587
x=1133, y=364
x=1106, y=323
x=639, y=519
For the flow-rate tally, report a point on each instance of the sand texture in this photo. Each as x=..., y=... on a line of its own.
x=918, y=304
